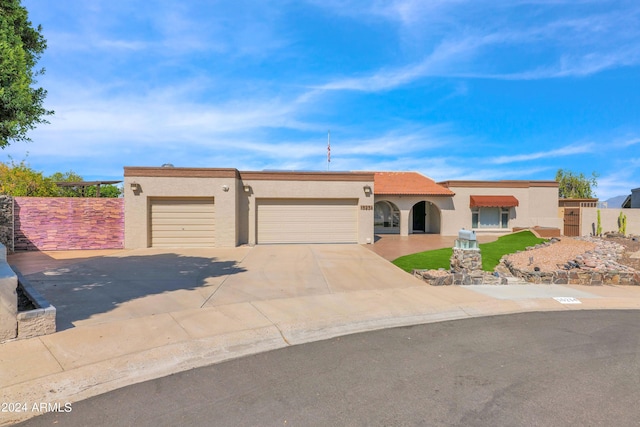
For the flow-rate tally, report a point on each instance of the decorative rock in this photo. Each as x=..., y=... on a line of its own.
x=466, y=260
x=595, y=267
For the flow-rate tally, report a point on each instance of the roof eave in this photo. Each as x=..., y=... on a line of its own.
x=415, y=194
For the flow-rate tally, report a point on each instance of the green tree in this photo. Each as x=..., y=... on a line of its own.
x=572, y=186
x=21, y=46
x=107, y=190
x=70, y=176
x=89, y=191
x=19, y=179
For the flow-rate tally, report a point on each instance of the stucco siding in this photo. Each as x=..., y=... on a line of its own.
x=137, y=218
x=434, y=208
x=235, y=209
x=608, y=220
x=537, y=206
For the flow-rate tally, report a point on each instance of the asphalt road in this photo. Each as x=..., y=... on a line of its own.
x=536, y=369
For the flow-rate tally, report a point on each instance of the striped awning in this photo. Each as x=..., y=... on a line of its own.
x=493, y=201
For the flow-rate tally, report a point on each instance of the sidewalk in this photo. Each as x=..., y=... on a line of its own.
x=100, y=355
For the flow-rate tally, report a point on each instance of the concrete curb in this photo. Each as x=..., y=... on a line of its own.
x=101, y=377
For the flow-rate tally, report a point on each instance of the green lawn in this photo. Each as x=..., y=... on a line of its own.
x=491, y=253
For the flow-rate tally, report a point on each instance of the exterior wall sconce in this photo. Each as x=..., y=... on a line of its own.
x=247, y=189
x=367, y=190
x=225, y=188
x=135, y=187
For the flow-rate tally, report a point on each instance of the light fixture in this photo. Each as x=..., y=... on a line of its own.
x=367, y=190
x=225, y=188
x=135, y=187
x=246, y=188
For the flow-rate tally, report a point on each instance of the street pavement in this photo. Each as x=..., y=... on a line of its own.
x=130, y=316
x=534, y=369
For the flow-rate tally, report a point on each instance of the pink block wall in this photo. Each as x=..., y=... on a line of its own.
x=66, y=223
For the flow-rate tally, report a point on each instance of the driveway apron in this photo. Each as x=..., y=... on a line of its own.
x=144, y=282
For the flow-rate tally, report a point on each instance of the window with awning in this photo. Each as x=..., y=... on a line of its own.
x=491, y=211
x=493, y=202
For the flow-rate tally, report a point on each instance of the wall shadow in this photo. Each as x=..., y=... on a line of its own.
x=101, y=285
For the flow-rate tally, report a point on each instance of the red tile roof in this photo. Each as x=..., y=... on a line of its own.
x=493, y=201
x=407, y=183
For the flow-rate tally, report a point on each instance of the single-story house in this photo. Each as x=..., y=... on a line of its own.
x=172, y=207
x=633, y=200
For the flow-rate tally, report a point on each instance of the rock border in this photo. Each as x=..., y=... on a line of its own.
x=593, y=268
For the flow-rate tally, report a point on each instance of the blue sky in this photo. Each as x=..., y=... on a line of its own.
x=495, y=89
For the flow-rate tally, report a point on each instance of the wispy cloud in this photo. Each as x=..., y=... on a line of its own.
x=618, y=183
x=575, y=46
x=629, y=142
x=564, y=151
x=434, y=64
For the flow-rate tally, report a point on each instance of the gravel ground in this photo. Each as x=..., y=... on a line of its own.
x=548, y=257
x=552, y=257
x=630, y=247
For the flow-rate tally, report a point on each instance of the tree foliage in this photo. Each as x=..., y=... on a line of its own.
x=572, y=186
x=19, y=179
x=90, y=191
x=21, y=46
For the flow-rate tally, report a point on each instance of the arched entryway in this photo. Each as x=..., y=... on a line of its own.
x=425, y=218
x=386, y=217
x=419, y=217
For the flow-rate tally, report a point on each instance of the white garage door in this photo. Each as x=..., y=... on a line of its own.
x=182, y=223
x=307, y=221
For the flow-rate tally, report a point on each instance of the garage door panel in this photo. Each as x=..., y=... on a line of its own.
x=182, y=209
x=170, y=243
x=185, y=228
x=182, y=234
x=204, y=222
x=307, y=221
x=182, y=222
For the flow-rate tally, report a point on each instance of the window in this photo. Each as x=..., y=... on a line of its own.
x=386, y=217
x=504, y=217
x=487, y=217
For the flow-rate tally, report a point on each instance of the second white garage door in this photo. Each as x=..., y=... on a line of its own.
x=182, y=223
x=307, y=221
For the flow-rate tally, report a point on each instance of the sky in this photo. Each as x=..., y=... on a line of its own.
x=453, y=89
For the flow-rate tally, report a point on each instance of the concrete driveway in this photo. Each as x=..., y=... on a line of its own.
x=144, y=282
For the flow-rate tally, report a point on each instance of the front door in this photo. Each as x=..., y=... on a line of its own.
x=419, y=217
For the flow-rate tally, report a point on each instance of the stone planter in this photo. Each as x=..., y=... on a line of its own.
x=36, y=322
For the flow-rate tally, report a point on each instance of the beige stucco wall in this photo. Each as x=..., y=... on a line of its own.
x=435, y=205
x=538, y=206
x=608, y=220
x=281, y=189
x=235, y=210
x=136, y=207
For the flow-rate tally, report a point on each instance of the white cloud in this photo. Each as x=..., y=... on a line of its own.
x=576, y=46
x=629, y=142
x=618, y=183
x=564, y=151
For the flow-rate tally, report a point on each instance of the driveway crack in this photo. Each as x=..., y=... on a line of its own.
x=223, y=282
x=324, y=276
x=272, y=322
